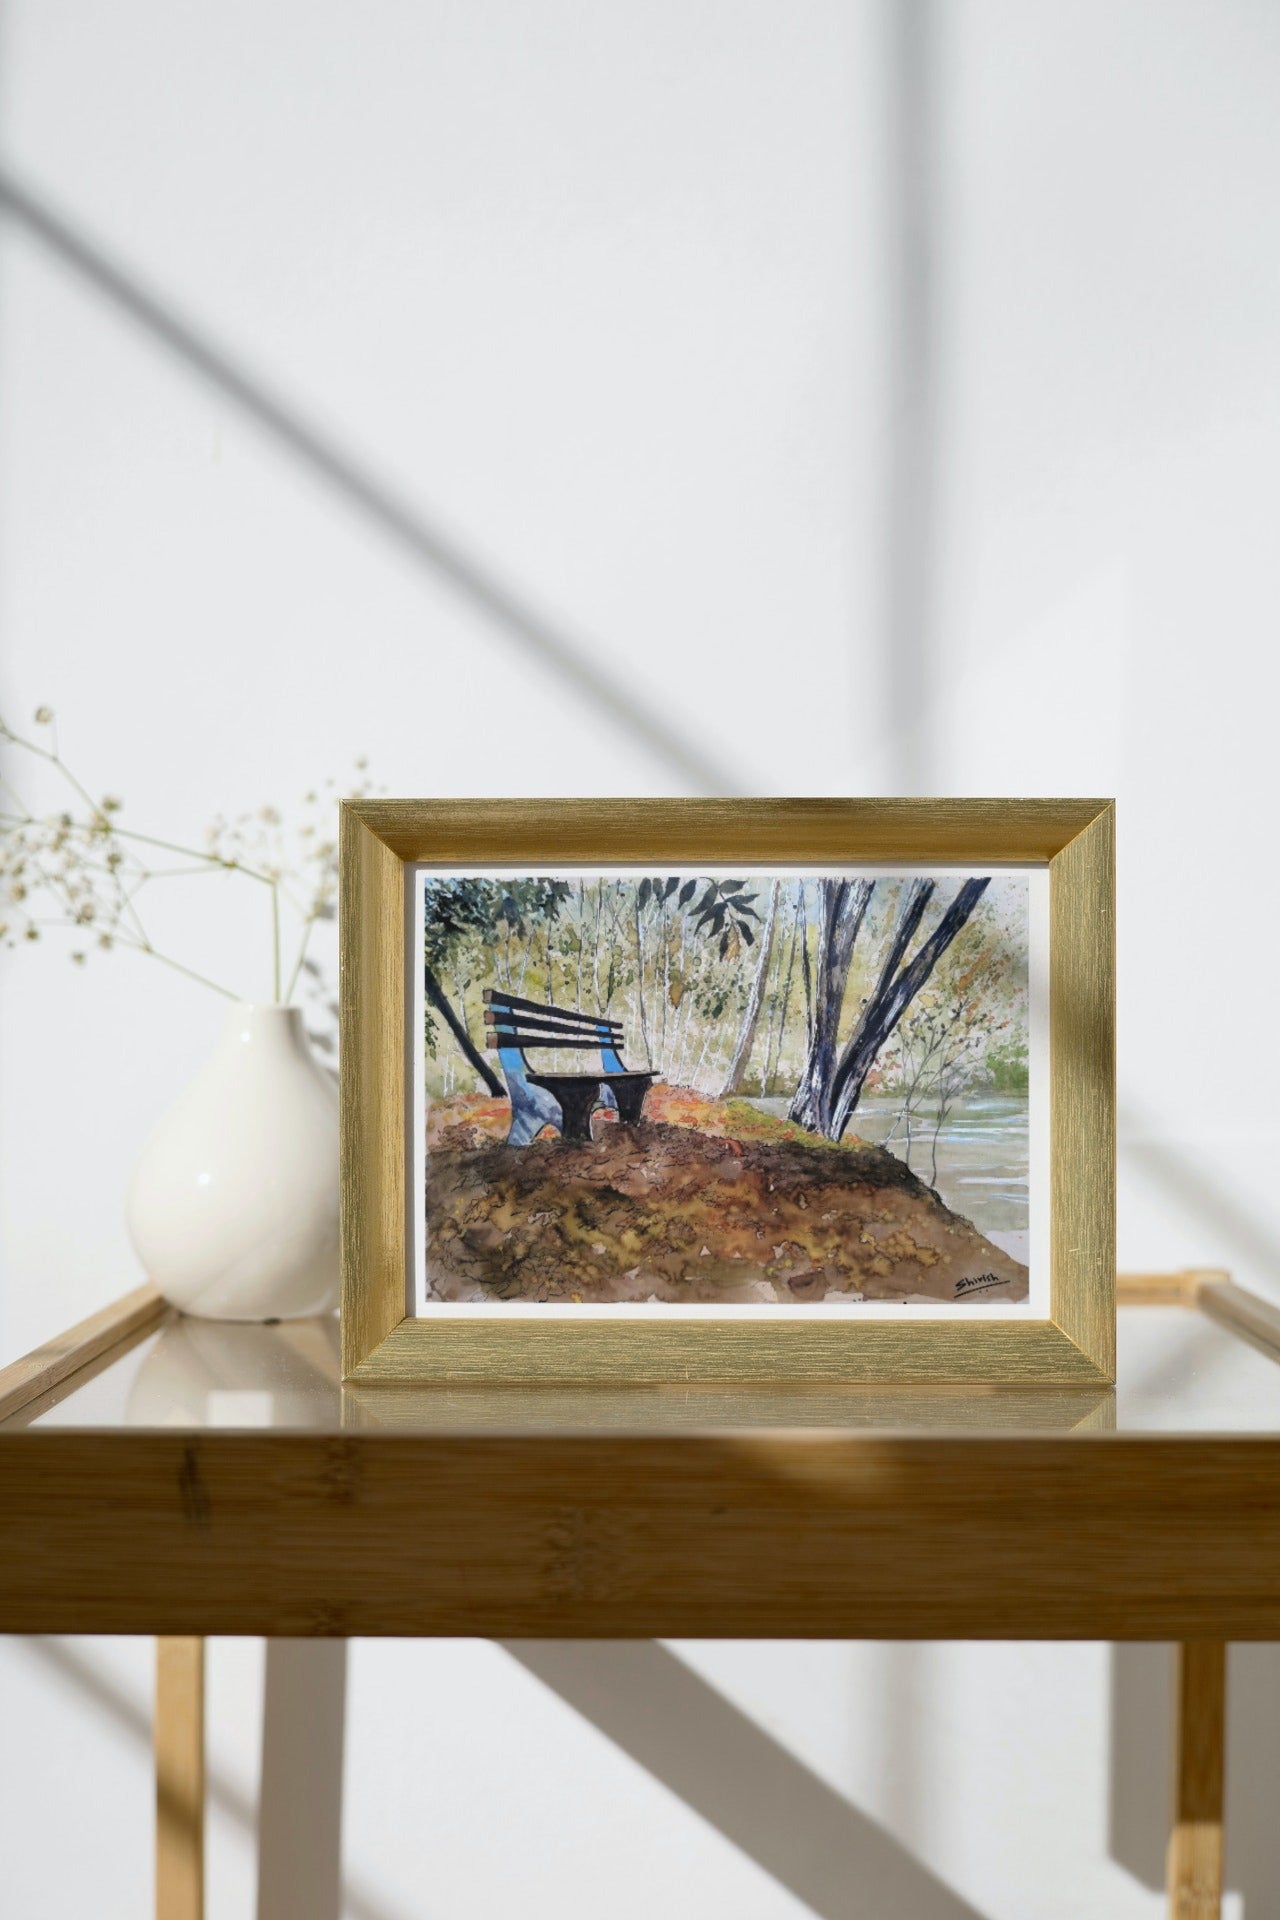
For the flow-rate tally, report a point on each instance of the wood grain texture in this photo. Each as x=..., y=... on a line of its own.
x=372, y=996
x=1082, y=1048
x=1181, y=1289
x=380, y=837
x=179, y=1755
x=1194, y=1875
x=1247, y=1314
x=832, y=1535
x=645, y=831
x=633, y=1349
x=663, y=1408
x=46, y=1367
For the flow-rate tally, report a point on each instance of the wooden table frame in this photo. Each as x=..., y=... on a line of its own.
x=1080, y=1535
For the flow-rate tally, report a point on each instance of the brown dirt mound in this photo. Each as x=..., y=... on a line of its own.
x=672, y=1213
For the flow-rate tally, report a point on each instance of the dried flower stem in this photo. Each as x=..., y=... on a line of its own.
x=302, y=954
x=179, y=966
x=91, y=870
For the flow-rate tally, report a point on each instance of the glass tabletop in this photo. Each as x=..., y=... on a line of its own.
x=1178, y=1372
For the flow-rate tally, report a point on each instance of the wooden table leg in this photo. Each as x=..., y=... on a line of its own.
x=1195, y=1843
x=179, y=1748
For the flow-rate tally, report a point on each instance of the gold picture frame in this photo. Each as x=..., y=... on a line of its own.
x=381, y=840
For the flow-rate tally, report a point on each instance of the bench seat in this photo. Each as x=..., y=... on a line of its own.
x=565, y=1101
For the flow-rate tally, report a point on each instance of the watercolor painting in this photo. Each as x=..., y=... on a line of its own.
x=713, y=1089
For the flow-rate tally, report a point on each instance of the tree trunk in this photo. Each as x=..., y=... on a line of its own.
x=440, y=1001
x=751, y=1018
x=582, y=935
x=666, y=981
x=644, y=1025
x=777, y=1004
x=595, y=951
x=895, y=990
x=844, y=906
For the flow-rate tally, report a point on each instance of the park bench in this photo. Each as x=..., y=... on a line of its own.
x=565, y=1101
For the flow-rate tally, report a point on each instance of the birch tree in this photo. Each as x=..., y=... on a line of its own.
x=751, y=1015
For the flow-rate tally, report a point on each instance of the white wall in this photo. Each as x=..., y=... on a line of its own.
x=618, y=299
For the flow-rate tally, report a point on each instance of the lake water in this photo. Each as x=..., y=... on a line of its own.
x=982, y=1153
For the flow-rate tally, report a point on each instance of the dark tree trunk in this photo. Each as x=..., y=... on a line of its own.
x=440, y=1001
x=896, y=988
x=844, y=907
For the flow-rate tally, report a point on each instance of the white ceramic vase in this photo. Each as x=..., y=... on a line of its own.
x=233, y=1208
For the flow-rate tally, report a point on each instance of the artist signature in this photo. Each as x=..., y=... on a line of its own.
x=979, y=1283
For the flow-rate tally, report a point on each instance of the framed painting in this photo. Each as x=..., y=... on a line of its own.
x=728, y=1090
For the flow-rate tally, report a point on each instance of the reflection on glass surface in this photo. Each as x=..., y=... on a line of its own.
x=1179, y=1372
x=218, y=1373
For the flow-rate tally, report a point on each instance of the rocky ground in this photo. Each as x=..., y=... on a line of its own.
x=707, y=1201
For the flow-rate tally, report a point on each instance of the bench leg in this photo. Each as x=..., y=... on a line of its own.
x=179, y=1756
x=630, y=1103
x=1195, y=1843
x=578, y=1104
x=532, y=1109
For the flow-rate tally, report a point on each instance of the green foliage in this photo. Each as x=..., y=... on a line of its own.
x=673, y=958
x=967, y=1028
x=456, y=908
x=1007, y=1066
x=725, y=911
x=465, y=914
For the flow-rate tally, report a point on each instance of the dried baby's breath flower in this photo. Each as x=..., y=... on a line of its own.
x=44, y=716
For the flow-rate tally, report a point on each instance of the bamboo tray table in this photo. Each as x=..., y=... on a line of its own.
x=179, y=1478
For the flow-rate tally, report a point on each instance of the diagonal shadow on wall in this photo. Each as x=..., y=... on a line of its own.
x=1167, y=1164
x=911, y=454
x=767, y=1803
x=299, y=1824
x=576, y=662
x=1141, y=1777
x=300, y=1798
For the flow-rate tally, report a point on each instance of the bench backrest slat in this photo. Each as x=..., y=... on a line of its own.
x=530, y=1023
x=583, y=1042
x=511, y=1003
x=508, y=1010
x=513, y=1022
